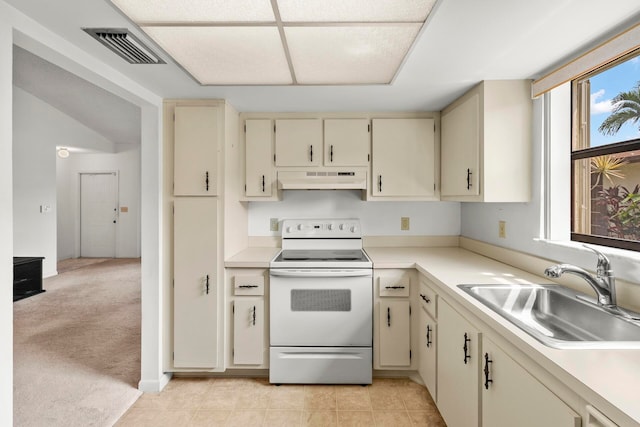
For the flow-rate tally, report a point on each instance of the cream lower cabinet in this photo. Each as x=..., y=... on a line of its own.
x=513, y=397
x=403, y=158
x=458, y=368
x=427, y=351
x=247, y=320
x=248, y=331
x=195, y=291
x=394, y=322
x=392, y=327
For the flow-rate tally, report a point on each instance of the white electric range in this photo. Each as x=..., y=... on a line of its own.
x=321, y=304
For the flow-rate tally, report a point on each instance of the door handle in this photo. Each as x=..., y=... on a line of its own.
x=254, y=315
x=331, y=154
x=466, y=348
x=206, y=180
x=425, y=298
x=389, y=317
x=379, y=183
x=469, y=179
x=207, y=284
x=263, y=183
x=311, y=152
x=486, y=371
x=429, y=336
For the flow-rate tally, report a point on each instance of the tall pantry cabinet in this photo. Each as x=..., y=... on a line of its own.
x=199, y=140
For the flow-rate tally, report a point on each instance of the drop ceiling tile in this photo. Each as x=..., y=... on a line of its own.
x=226, y=55
x=349, y=54
x=355, y=10
x=163, y=11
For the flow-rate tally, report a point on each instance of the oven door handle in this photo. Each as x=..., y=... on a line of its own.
x=321, y=273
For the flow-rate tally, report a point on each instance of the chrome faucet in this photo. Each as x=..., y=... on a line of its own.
x=603, y=283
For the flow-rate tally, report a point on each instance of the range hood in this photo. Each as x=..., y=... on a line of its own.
x=339, y=180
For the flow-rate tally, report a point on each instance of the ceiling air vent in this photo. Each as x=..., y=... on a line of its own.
x=124, y=44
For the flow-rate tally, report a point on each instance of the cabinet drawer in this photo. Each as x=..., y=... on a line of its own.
x=428, y=298
x=248, y=285
x=394, y=286
x=27, y=271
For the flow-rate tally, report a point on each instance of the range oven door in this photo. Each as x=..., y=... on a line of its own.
x=321, y=307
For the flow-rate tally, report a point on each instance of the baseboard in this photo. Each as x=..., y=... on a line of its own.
x=155, y=386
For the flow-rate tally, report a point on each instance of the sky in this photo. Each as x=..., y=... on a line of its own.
x=606, y=86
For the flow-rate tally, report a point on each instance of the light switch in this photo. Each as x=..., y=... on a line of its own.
x=45, y=208
x=124, y=209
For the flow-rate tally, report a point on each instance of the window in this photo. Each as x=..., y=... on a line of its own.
x=605, y=155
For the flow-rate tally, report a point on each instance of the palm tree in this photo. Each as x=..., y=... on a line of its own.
x=626, y=108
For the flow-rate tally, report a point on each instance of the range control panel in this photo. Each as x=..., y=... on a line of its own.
x=321, y=228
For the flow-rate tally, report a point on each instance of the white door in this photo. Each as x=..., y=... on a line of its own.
x=98, y=214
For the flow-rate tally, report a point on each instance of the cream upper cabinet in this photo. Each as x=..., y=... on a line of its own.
x=458, y=368
x=196, y=151
x=259, y=158
x=513, y=397
x=298, y=142
x=195, y=300
x=486, y=144
x=347, y=142
x=403, y=157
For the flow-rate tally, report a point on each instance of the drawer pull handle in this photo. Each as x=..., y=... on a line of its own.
x=389, y=317
x=486, y=371
x=22, y=280
x=465, y=347
x=248, y=286
x=425, y=298
x=254, y=315
x=429, y=335
x=394, y=287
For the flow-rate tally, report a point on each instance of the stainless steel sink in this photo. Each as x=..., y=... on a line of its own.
x=559, y=317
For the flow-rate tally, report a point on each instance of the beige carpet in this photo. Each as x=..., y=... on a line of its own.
x=77, y=347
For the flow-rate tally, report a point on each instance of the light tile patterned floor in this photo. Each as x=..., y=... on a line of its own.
x=254, y=402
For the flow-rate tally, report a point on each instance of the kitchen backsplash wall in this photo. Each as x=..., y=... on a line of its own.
x=377, y=218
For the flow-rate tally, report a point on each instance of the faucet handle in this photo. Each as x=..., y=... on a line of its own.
x=604, y=266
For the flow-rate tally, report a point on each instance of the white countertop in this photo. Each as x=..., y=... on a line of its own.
x=253, y=257
x=608, y=379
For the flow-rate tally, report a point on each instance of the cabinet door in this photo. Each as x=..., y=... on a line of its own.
x=195, y=302
x=460, y=147
x=258, y=156
x=195, y=151
x=248, y=331
x=395, y=333
x=403, y=157
x=427, y=351
x=298, y=142
x=513, y=397
x=346, y=142
x=458, y=368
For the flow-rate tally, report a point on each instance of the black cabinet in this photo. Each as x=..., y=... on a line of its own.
x=27, y=277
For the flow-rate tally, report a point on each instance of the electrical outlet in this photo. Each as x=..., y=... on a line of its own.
x=502, y=229
x=273, y=224
x=404, y=223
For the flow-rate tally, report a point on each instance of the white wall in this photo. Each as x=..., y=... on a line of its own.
x=127, y=164
x=6, y=221
x=34, y=171
x=377, y=218
x=525, y=226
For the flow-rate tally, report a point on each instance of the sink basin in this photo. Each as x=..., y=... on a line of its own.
x=559, y=317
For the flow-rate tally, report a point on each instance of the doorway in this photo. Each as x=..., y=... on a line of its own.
x=98, y=214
